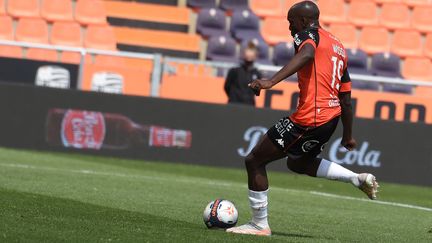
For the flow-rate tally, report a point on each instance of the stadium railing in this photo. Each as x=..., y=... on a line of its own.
x=166, y=65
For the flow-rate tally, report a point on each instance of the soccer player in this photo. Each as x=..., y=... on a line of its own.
x=325, y=96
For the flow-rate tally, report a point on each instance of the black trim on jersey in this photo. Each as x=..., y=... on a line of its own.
x=302, y=36
x=346, y=77
x=316, y=93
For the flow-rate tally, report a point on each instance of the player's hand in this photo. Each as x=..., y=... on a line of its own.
x=349, y=144
x=261, y=84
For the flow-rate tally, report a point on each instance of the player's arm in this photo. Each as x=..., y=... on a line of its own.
x=305, y=55
x=347, y=113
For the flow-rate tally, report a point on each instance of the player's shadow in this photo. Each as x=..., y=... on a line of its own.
x=291, y=235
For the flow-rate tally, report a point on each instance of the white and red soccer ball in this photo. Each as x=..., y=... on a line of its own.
x=220, y=213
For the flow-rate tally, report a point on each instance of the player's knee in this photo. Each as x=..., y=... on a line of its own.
x=250, y=161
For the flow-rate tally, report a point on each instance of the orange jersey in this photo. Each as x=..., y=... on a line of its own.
x=321, y=80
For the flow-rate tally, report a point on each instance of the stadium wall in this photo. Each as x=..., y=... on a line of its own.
x=189, y=132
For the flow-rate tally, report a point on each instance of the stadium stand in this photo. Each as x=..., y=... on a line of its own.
x=332, y=11
x=417, y=3
x=231, y=6
x=417, y=68
x=346, y=33
x=211, y=22
x=357, y=61
x=428, y=46
x=367, y=27
x=363, y=13
x=11, y=51
x=265, y=9
x=374, y=39
x=245, y=25
x=100, y=37
x=421, y=19
x=6, y=28
x=2, y=7
x=403, y=48
x=90, y=12
x=70, y=57
x=148, y=16
x=386, y=65
x=150, y=41
x=395, y=15
x=173, y=83
x=222, y=48
x=283, y=53
x=275, y=30
x=23, y=8
x=32, y=30
x=42, y=54
x=57, y=10
x=66, y=34
x=198, y=4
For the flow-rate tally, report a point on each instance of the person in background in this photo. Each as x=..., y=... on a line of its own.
x=238, y=78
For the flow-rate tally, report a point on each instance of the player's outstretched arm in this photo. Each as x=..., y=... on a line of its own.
x=305, y=55
x=347, y=120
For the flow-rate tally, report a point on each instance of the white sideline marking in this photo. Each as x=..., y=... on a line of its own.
x=403, y=205
x=214, y=183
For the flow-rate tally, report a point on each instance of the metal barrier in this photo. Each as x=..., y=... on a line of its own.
x=166, y=65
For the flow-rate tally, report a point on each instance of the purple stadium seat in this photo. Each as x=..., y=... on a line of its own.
x=201, y=3
x=283, y=53
x=222, y=48
x=245, y=25
x=357, y=64
x=263, y=50
x=388, y=65
x=211, y=22
x=233, y=5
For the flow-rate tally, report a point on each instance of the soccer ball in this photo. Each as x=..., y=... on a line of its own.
x=220, y=213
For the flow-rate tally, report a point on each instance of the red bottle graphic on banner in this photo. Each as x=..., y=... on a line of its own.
x=83, y=129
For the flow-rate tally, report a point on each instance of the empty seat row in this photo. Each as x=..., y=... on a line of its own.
x=372, y=39
x=365, y=13
x=244, y=25
x=86, y=11
x=62, y=33
x=226, y=5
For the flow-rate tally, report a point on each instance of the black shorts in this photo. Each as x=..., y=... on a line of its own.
x=296, y=140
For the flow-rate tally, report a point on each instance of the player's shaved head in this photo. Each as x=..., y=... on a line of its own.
x=303, y=15
x=305, y=9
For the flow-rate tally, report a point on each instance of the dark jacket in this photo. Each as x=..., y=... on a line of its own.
x=236, y=84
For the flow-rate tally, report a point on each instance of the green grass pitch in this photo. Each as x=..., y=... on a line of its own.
x=57, y=197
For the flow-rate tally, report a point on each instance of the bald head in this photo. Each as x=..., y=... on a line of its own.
x=306, y=9
x=303, y=15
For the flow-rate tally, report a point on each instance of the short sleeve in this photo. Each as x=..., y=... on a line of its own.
x=345, y=82
x=306, y=36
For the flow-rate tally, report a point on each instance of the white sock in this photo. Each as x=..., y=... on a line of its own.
x=258, y=203
x=334, y=171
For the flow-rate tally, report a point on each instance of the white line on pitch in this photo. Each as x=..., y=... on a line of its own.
x=212, y=183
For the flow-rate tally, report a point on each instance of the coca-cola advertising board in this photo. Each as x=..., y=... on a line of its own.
x=188, y=132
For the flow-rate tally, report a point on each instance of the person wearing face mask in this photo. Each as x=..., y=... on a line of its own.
x=238, y=78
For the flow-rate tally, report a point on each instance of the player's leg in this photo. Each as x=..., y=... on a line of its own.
x=303, y=160
x=263, y=153
x=318, y=167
